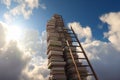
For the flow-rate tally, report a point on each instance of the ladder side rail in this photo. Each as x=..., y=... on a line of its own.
x=85, y=55
x=73, y=60
x=76, y=68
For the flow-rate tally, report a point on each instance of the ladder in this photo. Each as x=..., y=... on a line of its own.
x=82, y=52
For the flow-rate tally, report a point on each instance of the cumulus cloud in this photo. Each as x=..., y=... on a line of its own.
x=82, y=32
x=103, y=55
x=12, y=60
x=34, y=72
x=37, y=68
x=113, y=21
x=32, y=3
x=43, y=6
x=24, y=59
x=104, y=58
x=6, y=2
x=36, y=44
x=3, y=34
x=23, y=7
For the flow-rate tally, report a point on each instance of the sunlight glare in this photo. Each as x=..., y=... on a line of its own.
x=14, y=33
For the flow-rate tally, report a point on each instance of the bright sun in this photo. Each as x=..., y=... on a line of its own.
x=14, y=33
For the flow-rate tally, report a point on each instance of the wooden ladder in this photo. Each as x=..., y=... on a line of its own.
x=72, y=32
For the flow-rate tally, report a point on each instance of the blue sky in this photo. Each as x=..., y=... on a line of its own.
x=23, y=24
x=83, y=11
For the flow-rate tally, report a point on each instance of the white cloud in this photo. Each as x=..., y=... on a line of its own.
x=82, y=32
x=104, y=58
x=26, y=63
x=6, y=2
x=37, y=45
x=12, y=60
x=23, y=7
x=37, y=68
x=43, y=6
x=113, y=35
x=103, y=55
x=3, y=34
x=35, y=72
x=32, y=3
x=8, y=17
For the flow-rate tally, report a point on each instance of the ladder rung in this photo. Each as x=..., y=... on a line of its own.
x=84, y=66
x=61, y=31
x=70, y=33
x=76, y=51
x=73, y=37
x=70, y=36
x=67, y=29
x=74, y=41
x=75, y=46
x=81, y=58
x=90, y=74
x=87, y=75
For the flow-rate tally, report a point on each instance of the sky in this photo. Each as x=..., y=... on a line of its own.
x=23, y=35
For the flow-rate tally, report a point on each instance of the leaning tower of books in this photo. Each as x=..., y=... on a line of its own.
x=63, y=61
x=56, y=62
